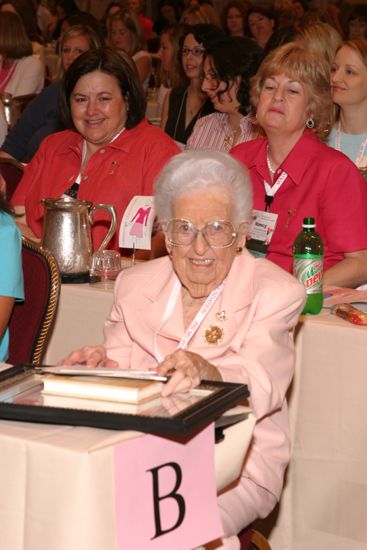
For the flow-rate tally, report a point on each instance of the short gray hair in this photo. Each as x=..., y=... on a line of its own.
x=193, y=171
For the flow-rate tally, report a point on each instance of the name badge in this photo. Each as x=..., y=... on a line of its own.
x=261, y=232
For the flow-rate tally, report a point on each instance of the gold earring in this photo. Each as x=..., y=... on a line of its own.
x=239, y=249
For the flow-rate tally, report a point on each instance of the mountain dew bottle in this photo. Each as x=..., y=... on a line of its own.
x=308, y=253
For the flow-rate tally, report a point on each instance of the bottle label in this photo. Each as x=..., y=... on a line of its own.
x=309, y=271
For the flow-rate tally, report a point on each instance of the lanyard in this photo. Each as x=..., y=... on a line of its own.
x=362, y=147
x=72, y=191
x=199, y=317
x=271, y=190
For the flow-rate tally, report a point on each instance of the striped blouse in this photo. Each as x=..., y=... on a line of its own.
x=213, y=132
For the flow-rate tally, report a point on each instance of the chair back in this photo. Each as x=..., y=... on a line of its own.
x=19, y=104
x=250, y=539
x=12, y=171
x=32, y=320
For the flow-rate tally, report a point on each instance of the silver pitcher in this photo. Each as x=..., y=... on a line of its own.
x=67, y=234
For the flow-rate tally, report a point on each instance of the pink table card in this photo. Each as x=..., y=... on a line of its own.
x=165, y=493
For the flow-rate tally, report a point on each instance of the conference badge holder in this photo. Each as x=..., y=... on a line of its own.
x=261, y=232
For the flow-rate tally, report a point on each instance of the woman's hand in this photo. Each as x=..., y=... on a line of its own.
x=91, y=356
x=186, y=370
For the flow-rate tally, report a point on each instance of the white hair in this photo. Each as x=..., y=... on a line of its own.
x=193, y=171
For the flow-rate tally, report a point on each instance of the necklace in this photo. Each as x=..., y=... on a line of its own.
x=230, y=139
x=271, y=169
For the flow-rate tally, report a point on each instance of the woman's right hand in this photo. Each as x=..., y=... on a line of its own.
x=91, y=356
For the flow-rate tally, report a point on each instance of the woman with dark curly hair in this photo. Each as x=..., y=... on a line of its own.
x=228, y=66
x=295, y=175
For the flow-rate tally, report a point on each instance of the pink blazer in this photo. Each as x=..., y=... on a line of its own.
x=262, y=304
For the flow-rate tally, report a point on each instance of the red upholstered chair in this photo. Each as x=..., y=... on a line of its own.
x=251, y=539
x=12, y=172
x=32, y=320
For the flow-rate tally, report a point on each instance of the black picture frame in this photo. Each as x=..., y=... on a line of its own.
x=222, y=396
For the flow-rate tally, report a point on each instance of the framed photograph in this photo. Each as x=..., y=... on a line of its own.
x=22, y=398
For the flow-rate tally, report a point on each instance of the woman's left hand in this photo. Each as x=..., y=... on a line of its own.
x=186, y=370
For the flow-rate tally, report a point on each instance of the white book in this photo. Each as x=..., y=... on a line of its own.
x=126, y=390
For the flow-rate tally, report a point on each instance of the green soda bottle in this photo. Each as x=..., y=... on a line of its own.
x=308, y=253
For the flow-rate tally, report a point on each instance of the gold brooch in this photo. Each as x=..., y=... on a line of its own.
x=214, y=334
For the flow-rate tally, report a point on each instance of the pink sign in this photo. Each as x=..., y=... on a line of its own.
x=166, y=493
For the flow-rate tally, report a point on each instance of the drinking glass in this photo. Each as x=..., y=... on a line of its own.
x=106, y=264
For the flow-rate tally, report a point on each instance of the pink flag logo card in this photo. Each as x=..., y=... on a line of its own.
x=137, y=222
x=165, y=493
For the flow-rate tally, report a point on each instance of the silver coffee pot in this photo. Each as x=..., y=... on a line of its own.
x=67, y=234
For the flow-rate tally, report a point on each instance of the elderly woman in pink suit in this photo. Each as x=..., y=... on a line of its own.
x=209, y=310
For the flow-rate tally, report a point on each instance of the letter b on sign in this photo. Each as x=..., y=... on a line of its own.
x=172, y=494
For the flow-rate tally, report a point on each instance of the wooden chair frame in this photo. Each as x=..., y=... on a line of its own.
x=45, y=328
x=259, y=541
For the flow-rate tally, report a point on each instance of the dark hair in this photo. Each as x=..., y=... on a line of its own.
x=358, y=12
x=303, y=3
x=69, y=6
x=114, y=64
x=14, y=42
x=26, y=11
x=232, y=57
x=174, y=78
x=204, y=34
x=280, y=37
x=87, y=20
x=240, y=5
x=174, y=4
x=5, y=206
x=266, y=12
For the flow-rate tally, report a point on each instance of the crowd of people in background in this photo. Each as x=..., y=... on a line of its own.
x=31, y=34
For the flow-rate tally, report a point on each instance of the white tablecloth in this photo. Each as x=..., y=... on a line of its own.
x=324, y=503
x=57, y=483
x=81, y=314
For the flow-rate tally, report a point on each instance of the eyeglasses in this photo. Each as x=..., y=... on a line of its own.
x=217, y=234
x=196, y=51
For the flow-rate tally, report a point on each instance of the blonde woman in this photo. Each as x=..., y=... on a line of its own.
x=124, y=34
x=349, y=91
x=322, y=38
